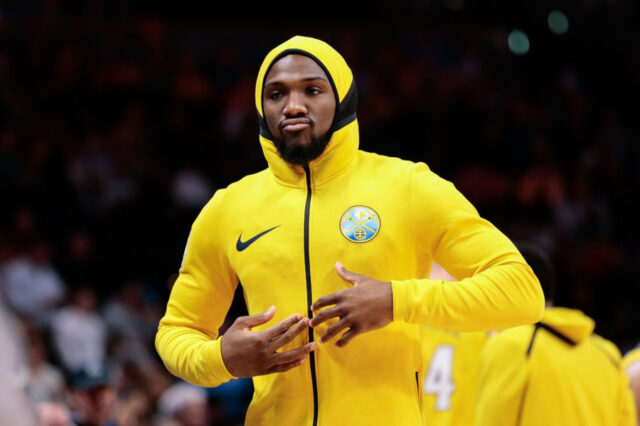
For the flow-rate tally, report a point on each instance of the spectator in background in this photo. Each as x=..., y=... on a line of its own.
x=185, y=404
x=131, y=323
x=78, y=259
x=16, y=408
x=78, y=332
x=230, y=400
x=556, y=372
x=54, y=414
x=33, y=287
x=190, y=189
x=92, y=395
x=46, y=381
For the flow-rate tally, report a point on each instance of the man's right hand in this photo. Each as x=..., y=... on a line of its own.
x=248, y=353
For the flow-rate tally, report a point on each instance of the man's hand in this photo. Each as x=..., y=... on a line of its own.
x=248, y=353
x=365, y=307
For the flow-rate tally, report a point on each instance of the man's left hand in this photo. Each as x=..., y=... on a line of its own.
x=366, y=306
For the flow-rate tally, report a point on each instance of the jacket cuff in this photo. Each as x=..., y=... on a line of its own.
x=214, y=354
x=400, y=300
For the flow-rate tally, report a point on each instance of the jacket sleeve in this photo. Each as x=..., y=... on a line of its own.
x=502, y=382
x=187, y=338
x=496, y=287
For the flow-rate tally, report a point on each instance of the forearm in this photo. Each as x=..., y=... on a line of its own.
x=502, y=296
x=191, y=355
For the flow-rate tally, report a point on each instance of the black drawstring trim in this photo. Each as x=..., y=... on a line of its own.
x=347, y=109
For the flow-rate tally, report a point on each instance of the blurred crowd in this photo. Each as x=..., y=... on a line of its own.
x=117, y=125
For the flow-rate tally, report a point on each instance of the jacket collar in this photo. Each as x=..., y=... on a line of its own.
x=339, y=154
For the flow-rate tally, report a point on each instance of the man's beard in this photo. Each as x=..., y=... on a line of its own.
x=300, y=155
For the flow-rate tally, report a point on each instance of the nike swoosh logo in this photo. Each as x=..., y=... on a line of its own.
x=241, y=245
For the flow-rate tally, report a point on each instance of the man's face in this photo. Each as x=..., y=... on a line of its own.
x=299, y=106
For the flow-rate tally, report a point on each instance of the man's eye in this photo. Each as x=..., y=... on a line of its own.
x=314, y=91
x=275, y=95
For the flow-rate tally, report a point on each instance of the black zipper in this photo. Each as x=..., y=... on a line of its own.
x=307, y=268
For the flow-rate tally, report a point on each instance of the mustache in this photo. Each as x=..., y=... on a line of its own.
x=296, y=120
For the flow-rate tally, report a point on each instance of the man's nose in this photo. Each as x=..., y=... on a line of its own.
x=295, y=105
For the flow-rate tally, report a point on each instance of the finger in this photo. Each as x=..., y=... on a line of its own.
x=334, y=330
x=290, y=334
x=293, y=354
x=326, y=314
x=346, y=338
x=328, y=300
x=255, y=320
x=279, y=368
x=281, y=327
x=347, y=275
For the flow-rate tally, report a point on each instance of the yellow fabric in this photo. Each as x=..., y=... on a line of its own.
x=373, y=380
x=557, y=383
x=456, y=406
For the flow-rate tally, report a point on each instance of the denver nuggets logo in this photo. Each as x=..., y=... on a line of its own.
x=360, y=224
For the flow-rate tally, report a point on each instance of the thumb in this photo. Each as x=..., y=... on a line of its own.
x=347, y=275
x=258, y=319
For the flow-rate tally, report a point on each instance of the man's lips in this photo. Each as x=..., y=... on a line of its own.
x=295, y=124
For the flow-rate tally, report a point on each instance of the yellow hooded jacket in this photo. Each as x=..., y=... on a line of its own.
x=556, y=373
x=380, y=216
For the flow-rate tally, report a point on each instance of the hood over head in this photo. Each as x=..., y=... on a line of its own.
x=344, y=140
x=569, y=322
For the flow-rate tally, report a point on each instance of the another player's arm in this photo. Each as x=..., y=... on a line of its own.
x=502, y=380
x=187, y=338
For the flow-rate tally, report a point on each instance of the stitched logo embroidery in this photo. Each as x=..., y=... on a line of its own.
x=360, y=224
x=241, y=245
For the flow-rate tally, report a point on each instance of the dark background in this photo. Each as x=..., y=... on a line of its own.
x=118, y=120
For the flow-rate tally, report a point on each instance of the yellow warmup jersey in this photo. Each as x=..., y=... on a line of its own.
x=556, y=373
x=280, y=232
x=451, y=361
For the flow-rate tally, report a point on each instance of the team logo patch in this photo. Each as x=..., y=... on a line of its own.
x=360, y=224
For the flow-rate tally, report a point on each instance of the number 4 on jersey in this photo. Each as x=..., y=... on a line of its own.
x=439, y=377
